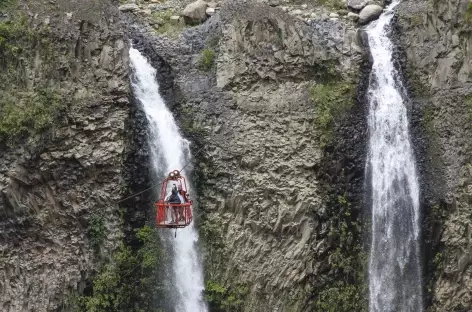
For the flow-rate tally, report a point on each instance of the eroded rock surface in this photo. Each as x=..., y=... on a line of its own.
x=53, y=183
x=435, y=37
x=261, y=208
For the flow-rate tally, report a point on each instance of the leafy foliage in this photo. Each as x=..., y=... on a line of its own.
x=96, y=231
x=27, y=112
x=340, y=297
x=207, y=59
x=130, y=282
x=332, y=100
x=223, y=299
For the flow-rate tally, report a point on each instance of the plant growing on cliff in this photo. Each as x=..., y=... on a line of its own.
x=132, y=273
x=333, y=4
x=468, y=13
x=27, y=112
x=332, y=100
x=96, y=231
x=6, y=4
x=207, y=59
x=468, y=102
x=222, y=299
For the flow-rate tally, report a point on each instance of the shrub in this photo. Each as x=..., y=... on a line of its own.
x=207, y=58
x=131, y=281
x=222, y=298
x=96, y=231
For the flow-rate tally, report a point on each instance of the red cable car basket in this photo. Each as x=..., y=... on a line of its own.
x=173, y=215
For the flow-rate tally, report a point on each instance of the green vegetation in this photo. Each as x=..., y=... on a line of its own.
x=21, y=112
x=332, y=101
x=333, y=4
x=468, y=13
x=207, y=59
x=222, y=299
x=165, y=25
x=340, y=297
x=468, y=103
x=345, y=289
x=27, y=112
x=130, y=275
x=96, y=231
x=4, y=4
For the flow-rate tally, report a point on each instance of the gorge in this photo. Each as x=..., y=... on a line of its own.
x=328, y=152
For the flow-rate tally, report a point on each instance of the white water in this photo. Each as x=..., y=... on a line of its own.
x=169, y=151
x=394, y=265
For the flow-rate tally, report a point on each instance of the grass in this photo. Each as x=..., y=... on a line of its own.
x=166, y=25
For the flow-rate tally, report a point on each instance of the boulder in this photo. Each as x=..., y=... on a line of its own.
x=210, y=11
x=369, y=13
x=357, y=4
x=129, y=7
x=353, y=16
x=195, y=12
x=174, y=19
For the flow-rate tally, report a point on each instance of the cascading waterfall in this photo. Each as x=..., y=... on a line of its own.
x=169, y=151
x=394, y=265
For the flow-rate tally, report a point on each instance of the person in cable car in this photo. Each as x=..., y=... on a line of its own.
x=174, y=198
x=183, y=194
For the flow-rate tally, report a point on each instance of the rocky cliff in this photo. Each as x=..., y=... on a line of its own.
x=272, y=95
x=265, y=97
x=64, y=100
x=435, y=40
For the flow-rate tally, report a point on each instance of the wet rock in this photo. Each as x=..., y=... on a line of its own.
x=195, y=12
x=369, y=13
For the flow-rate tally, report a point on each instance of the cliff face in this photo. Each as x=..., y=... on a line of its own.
x=66, y=64
x=273, y=102
x=255, y=109
x=435, y=37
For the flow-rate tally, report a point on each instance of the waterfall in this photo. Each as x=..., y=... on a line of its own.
x=395, y=282
x=169, y=151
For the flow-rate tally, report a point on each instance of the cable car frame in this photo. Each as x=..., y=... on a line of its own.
x=171, y=215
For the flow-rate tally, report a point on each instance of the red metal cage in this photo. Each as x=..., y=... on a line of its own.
x=171, y=215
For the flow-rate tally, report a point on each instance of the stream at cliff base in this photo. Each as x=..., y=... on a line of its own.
x=395, y=279
x=169, y=151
